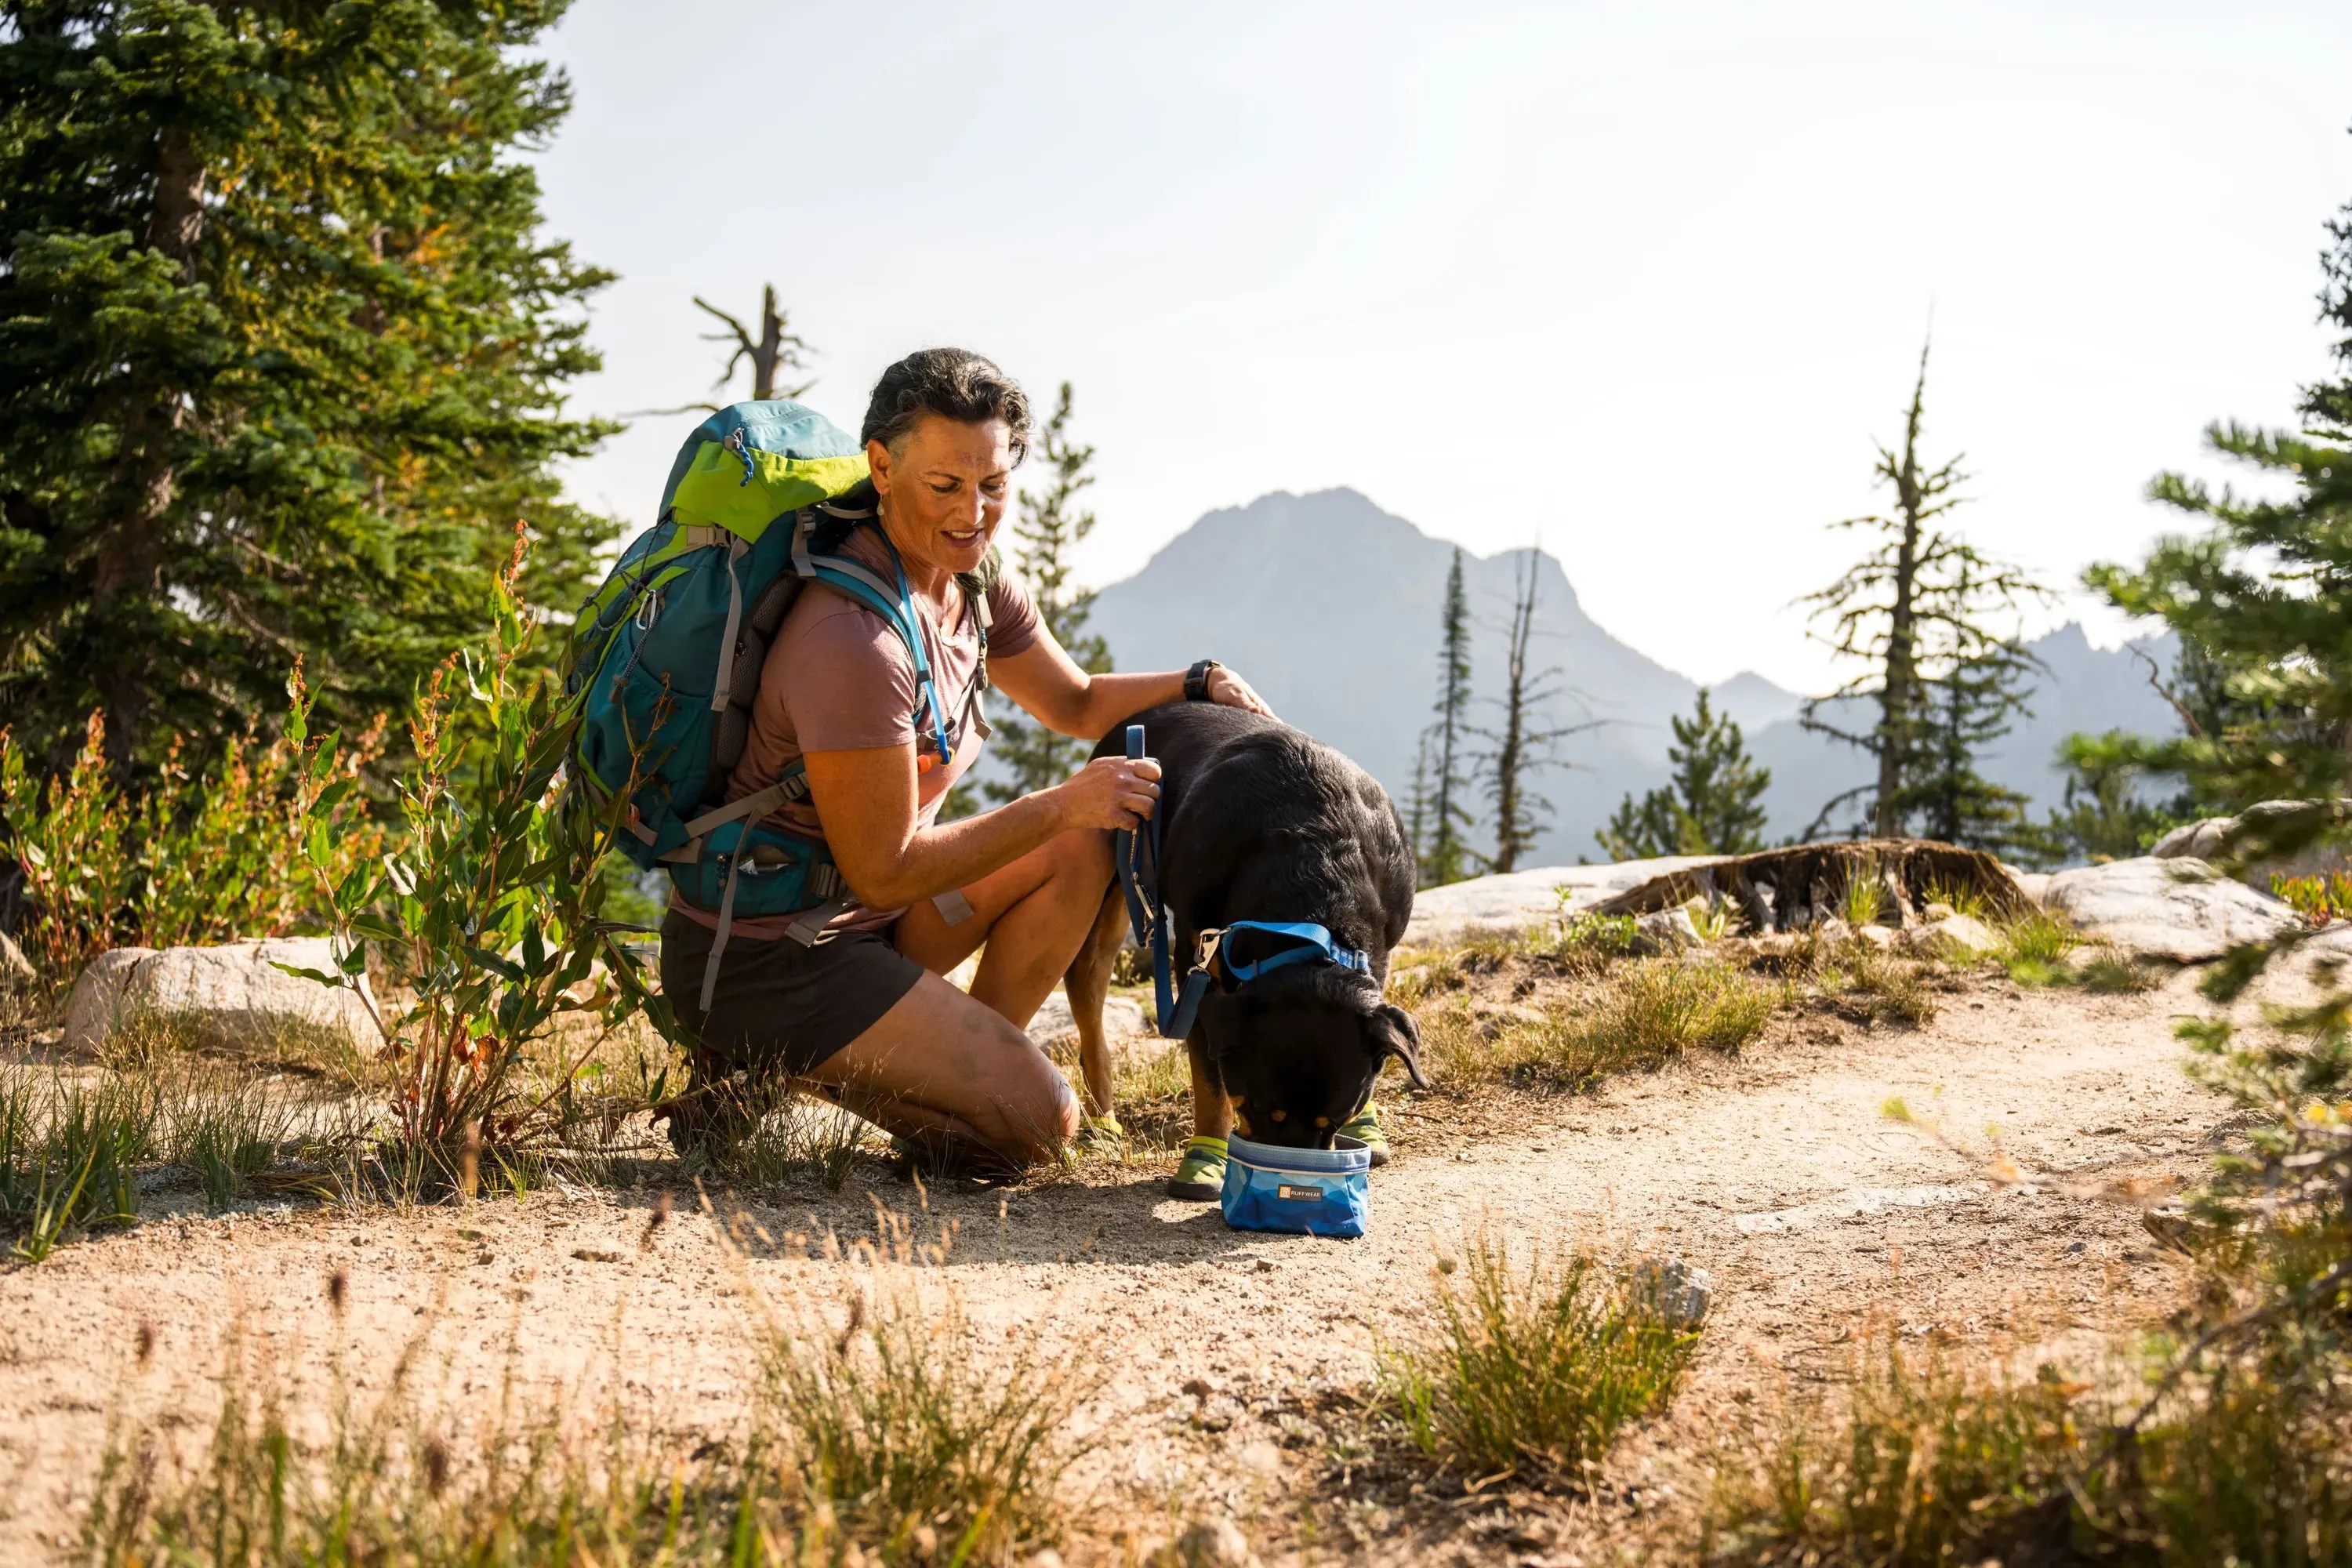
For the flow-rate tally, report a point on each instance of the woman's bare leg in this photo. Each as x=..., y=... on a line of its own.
x=949, y=1074
x=1032, y=914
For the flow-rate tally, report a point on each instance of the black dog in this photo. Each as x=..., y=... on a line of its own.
x=1263, y=823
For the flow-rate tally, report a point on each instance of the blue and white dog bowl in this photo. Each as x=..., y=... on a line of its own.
x=1309, y=1192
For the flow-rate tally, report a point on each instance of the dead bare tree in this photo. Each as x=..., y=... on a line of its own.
x=772, y=350
x=1917, y=606
x=1518, y=748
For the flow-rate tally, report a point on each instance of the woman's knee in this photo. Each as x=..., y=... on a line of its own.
x=1032, y=1113
x=1083, y=854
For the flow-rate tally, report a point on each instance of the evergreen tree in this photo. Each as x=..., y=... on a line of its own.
x=1918, y=607
x=1943, y=796
x=1448, y=857
x=1417, y=807
x=2106, y=814
x=1047, y=535
x=1713, y=805
x=282, y=356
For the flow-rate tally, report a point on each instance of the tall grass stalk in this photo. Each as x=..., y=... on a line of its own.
x=1531, y=1368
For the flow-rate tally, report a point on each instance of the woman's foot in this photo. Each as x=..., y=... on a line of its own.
x=1201, y=1176
x=1365, y=1129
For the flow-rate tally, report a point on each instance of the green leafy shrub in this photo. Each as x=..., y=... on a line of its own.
x=191, y=858
x=1531, y=1369
x=489, y=911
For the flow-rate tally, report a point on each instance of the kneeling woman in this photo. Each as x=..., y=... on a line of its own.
x=863, y=1015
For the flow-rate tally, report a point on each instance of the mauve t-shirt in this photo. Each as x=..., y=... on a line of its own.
x=837, y=678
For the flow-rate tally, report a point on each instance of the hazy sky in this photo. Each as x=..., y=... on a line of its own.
x=1643, y=280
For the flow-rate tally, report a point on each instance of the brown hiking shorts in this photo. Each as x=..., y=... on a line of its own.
x=779, y=1007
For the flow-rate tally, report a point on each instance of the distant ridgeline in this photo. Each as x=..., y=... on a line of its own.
x=1336, y=622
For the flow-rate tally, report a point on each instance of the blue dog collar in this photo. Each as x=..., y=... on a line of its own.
x=1317, y=937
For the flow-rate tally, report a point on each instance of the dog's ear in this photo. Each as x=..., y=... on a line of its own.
x=1390, y=1032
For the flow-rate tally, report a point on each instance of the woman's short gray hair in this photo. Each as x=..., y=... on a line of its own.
x=954, y=383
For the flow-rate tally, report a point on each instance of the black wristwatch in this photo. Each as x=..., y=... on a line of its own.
x=1196, y=680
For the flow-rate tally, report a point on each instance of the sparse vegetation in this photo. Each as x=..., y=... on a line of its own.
x=1927, y=1465
x=2035, y=947
x=1641, y=1014
x=896, y=1428
x=896, y=1432
x=1530, y=1368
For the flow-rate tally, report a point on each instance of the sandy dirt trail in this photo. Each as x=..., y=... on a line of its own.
x=1778, y=1171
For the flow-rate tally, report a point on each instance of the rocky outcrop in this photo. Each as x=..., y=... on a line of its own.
x=2213, y=839
x=224, y=997
x=1519, y=901
x=2178, y=907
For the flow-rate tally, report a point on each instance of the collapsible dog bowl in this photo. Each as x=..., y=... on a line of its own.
x=1310, y=1191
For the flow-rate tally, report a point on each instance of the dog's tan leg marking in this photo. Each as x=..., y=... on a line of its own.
x=1087, y=984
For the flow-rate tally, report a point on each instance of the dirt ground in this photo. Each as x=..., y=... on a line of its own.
x=2004, y=1216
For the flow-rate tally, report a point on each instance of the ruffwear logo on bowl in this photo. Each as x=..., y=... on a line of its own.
x=1299, y=1194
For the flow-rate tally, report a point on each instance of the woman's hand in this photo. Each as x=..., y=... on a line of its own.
x=1231, y=691
x=1109, y=792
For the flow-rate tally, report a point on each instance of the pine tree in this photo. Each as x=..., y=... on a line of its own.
x=1448, y=859
x=2106, y=814
x=1943, y=794
x=1050, y=529
x=1417, y=805
x=1713, y=805
x=283, y=355
x=1919, y=605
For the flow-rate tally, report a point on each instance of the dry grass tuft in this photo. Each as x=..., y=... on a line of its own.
x=1531, y=1369
x=1640, y=1015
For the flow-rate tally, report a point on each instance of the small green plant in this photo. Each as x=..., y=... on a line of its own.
x=1531, y=1369
x=1598, y=936
x=1885, y=987
x=1711, y=918
x=1864, y=896
x=68, y=1156
x=2035, y=948
x=1961, y=900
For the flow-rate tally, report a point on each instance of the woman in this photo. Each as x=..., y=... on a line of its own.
x=864, y=1015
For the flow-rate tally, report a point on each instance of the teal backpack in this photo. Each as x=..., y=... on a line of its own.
x=669, y=652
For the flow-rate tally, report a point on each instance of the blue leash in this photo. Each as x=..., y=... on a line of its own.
x=1138, y=855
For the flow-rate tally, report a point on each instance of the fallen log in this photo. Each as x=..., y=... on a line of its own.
x=1793, y=888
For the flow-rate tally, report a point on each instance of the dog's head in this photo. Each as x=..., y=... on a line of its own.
x=1297, y=1051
